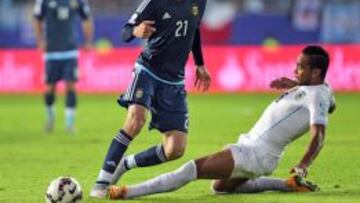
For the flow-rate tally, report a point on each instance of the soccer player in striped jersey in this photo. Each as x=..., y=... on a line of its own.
x=171, y=28
x=241, y=167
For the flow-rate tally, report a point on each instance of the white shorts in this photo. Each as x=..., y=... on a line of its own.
x=250, y=162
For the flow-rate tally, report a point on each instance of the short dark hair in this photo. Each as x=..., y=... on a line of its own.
x=318, y=58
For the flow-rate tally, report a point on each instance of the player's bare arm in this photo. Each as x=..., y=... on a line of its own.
x=38, y=28
x=88, y=28
x=145, y=29
x=283, y=83
x=317, y=141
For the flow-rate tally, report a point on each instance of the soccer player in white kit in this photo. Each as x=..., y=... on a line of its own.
x=242, y=167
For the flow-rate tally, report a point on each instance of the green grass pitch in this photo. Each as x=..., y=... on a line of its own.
x=29, y=158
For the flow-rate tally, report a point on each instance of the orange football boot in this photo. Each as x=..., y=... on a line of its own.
x=299, y=184
x=117, y=192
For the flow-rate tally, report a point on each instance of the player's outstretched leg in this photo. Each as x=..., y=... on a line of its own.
x=49, y=98
x=164, y=183
x=216, y=166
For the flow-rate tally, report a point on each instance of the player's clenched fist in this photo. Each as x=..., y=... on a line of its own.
x=144, y=30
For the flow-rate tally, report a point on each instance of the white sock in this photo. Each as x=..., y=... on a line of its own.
x=69, y=117
x=262, y=184
x=122, y=167
x=130, y=162
x=104, y=176
x=165, y=182
x=50, y=111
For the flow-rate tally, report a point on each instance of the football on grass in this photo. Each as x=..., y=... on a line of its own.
x=64, y=189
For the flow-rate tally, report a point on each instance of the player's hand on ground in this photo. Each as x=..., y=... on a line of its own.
x=283, y=83
x=300, y=170
x=203, y=78
x=145, y=29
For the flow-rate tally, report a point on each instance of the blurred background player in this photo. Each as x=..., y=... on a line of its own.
x=172, y=30
x=55, y=33
x=239, y=167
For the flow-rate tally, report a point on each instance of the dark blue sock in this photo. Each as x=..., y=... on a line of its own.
x=71, y=99
x=116, y=151
x=49, y=98
x=153, y=156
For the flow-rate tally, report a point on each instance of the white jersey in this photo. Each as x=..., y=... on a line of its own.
x=289, y=117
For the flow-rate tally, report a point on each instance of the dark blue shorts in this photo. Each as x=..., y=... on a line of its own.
x=61, y=69
x=167, y=102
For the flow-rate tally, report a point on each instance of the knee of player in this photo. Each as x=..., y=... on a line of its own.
x=50, y=89
x=137, y=121
x=173, y=153
x=70, y=87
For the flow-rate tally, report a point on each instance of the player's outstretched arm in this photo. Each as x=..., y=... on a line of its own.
x=316, y=144
x=283, y=83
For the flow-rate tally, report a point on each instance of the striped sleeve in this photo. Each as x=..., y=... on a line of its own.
x=143, y=12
